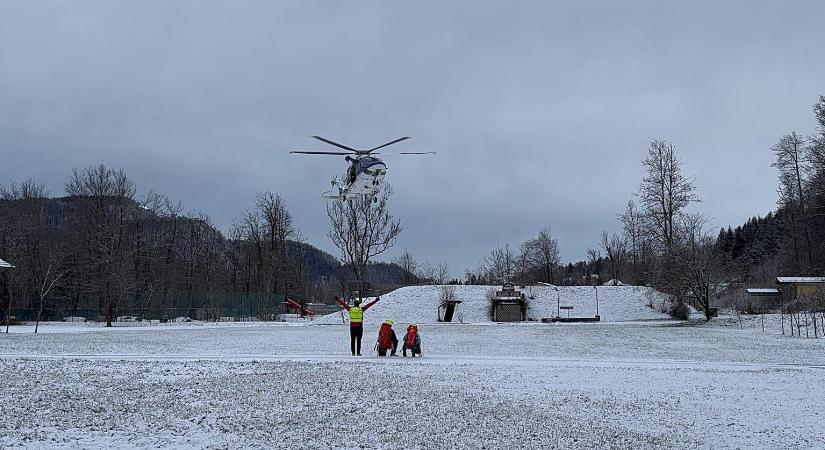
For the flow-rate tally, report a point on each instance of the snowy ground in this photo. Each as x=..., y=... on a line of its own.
x=646, y=384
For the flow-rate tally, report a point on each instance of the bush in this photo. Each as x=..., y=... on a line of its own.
x=446, y=293
x=650, y=298
x=679, y=310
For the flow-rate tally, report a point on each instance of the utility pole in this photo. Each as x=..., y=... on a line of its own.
x=558, y=302
x=597, y=300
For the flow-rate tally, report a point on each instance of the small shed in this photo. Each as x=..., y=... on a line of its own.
x=800, y=287
x=509, y=305
x=763, y=298
x=447, y=310
x=763, y=292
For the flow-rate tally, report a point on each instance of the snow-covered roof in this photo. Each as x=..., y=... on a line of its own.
x=5, y=265
x=782, y=280
x=761, y=291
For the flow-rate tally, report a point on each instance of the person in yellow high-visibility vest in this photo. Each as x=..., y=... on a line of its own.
x=356, y=322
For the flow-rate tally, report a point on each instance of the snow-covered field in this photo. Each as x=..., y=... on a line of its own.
x=628, y=384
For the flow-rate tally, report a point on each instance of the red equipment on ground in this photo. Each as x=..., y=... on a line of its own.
x=303, y=310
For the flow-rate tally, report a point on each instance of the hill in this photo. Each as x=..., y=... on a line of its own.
x=419, y=304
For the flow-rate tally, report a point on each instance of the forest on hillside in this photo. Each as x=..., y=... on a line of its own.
x=100, y=252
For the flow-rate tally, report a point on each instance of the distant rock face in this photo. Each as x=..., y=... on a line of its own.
x=419, y=304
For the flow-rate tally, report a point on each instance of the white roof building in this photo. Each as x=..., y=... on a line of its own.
x=5, y=265
x=799, y=280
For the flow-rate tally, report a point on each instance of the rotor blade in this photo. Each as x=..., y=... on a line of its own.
x=321, y=153
x=403, y=153
x=388, y=143
x=335, y=144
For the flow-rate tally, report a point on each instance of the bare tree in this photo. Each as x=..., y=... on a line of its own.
x=408, y=265
x=276, y=224
x=362, y=228
x=816, y=150
x=474, y=276
x=593, y=267
x=791, y=158
x=427, y=272
x=543, y=251
x=446, y=294
x=21, y=228
x=615, y=247
x=640, y=240
x=665, y=191
x=500, y=264
x=438, y=273
x=106, y=197
x=523, y=263
x=442, y=273
x=52, y=278
x=695, y=264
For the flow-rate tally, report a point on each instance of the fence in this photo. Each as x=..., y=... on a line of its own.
x=216, y=307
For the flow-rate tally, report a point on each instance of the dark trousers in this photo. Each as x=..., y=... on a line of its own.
x=355, y=334
x=415, y=349
x=393, y=342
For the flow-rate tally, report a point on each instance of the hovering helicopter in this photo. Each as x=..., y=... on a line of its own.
x=365, y=172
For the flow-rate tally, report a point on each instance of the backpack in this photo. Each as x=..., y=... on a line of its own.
x=384, y=339
x=409, y=341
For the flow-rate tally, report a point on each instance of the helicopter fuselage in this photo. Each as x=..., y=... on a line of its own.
x=363, y=177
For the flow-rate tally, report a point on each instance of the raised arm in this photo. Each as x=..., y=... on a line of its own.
x=342, y=303
x=368, y=305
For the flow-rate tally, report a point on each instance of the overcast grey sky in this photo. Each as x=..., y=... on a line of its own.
x=540, y=111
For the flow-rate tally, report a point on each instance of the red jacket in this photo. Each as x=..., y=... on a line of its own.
x=364, y=308
x=412, y=336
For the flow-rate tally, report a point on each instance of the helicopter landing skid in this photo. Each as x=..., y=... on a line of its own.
x=332, y=194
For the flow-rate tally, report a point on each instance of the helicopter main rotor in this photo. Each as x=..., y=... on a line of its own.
x=351, y=151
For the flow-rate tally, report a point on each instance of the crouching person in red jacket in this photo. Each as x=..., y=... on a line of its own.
x=386, y=339
x=412, y=341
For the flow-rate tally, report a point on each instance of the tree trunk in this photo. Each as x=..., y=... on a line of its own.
x=109, y=312
x=795, y=240
x=8, y=305
x=706, y=305
x=39, y=314
x=804, y=216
